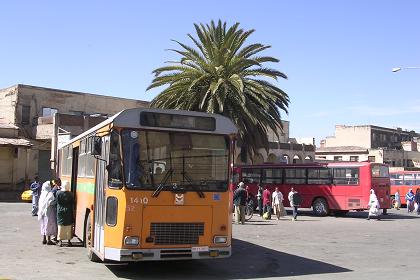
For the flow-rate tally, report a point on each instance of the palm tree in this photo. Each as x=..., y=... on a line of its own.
x=222, y=75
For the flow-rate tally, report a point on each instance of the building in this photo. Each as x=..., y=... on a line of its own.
x=282, y=149
x=34, y=118
x=395, y=147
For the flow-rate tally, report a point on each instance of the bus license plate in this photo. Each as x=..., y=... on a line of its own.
x=200, y=249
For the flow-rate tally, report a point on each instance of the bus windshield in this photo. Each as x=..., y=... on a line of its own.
x=192, y=161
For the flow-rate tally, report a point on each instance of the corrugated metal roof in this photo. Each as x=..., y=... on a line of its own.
x=14, y=142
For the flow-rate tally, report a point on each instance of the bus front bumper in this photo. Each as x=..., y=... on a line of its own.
x=133, y=255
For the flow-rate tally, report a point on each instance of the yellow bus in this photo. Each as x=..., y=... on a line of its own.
x=153, y=184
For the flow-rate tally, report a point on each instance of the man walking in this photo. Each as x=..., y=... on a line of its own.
x=239, y=200
x=267, y=202
x=295, y=200
x=36, y=191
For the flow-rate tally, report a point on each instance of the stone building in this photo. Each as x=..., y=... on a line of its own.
x=30, y=117
x=395, y=147
x=282, y=150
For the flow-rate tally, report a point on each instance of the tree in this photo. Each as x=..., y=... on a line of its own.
x=224, y=76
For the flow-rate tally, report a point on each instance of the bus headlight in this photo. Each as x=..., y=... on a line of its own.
x=131, y=240
x=220, y=239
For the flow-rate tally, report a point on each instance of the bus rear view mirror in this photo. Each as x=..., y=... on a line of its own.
x=96, y=147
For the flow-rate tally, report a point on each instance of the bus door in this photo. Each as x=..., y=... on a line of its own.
x=100, y=187
x=346, y=188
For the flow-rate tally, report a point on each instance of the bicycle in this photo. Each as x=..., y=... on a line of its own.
x=249, y=210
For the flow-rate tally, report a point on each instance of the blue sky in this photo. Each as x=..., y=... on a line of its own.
x=338, y=55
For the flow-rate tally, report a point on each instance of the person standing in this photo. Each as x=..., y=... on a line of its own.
x=36, y=192
x=56, y=186
x=65, y=201
x=239, y=200
x=409, y=197
x=47, y=214
x=373, y=206
x=278, y=203
x=260, y=200
x=417, y=200
x=267, y=202
x=397, y=200
x=295, y=200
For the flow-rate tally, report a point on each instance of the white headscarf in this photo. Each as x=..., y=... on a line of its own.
x=373, y=200
x=45, y=199
x=65, y=187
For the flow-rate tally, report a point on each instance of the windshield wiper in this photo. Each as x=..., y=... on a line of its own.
x=162, y=183
x=193, y=185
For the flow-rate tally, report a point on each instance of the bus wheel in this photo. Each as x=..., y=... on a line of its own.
x=88, y=241
x=320, y=207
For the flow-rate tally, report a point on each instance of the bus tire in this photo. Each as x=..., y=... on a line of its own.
x=320, y=207
x=88, y=240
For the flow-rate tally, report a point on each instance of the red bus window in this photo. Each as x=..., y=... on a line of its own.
x=380, y=171
x=251, y=175
x=295, y=176
x=319, y=176
x=273, y=176
x=346, y=176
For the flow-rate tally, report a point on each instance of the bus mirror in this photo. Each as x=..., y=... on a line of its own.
x=96, y=147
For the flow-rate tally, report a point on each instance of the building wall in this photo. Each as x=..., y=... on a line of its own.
x=22, y=105
x=283, y=134
x=67, y=102
x=8, y=102
x=13, y=168
x=350, y=136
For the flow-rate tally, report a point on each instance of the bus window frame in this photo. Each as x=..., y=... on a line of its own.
x=334, y=178
x=154, y=184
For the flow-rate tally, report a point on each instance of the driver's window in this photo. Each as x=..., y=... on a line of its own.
x=114, y=167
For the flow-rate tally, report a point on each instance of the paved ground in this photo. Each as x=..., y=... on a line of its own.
x=311, y=248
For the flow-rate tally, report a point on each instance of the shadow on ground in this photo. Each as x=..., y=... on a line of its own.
x=249, y=261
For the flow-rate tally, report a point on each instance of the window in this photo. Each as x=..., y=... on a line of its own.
x=371, y=158
x=338, y=158
x=380, y=171
x=397, y=179
x=295, y=176
x=251, y=175
x=272, y=176
x=153, y=158
x=90, y=160
x=319, y=176
x=346, y=176
x=114, y=167
x=26, y=112
x=81, y=170
x=111, y=211
x=47, y=112
x=354, y=158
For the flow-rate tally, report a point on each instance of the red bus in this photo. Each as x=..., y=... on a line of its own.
x=326, y=187
x=403, y=181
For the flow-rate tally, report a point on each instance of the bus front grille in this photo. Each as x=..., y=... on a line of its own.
x=176, y=233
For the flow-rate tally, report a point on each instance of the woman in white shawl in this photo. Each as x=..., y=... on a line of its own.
x=47, y=214
x=373, y=205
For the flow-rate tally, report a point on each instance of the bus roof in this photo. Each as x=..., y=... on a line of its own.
x=130, y=118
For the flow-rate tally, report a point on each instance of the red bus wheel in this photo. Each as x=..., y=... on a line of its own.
x=320, y=207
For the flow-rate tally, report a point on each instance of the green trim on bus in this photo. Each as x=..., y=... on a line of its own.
x=86, y=187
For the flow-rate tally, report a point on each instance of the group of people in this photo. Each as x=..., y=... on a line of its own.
x=413, y=201
x=267, y=202
x=53, y=203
